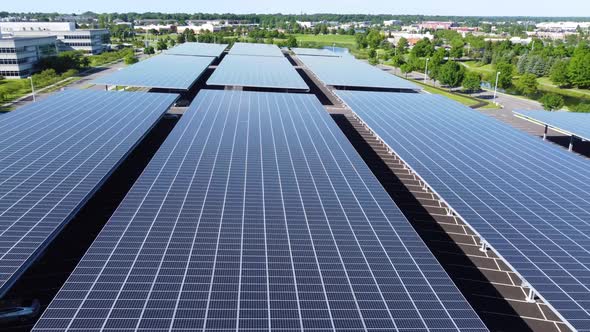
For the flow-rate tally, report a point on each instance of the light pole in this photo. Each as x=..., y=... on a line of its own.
x=496, y=87
x=426, y=70
x=32, y=89
x=334, y=48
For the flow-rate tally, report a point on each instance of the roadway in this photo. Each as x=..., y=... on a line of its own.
x=83, y=83
x=508, y=102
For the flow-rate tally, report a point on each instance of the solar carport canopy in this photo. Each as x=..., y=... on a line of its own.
x=315, y=52
x=164, y=71
x=257, y=214
x=254, y=71
x=576, y=124
x=53, y=155
x=198, y=49
x=256, y=49
x=529, y=200
x=349, y=72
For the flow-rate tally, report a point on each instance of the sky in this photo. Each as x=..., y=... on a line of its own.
x=426, y=7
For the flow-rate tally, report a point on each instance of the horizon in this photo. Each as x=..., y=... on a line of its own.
x=297, y=14
x=462, y=8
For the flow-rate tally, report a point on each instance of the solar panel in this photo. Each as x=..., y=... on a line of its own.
x=256, y=49
x=255, y=71
x=576, y=124
x=54, y=154
x=349, y=72
x=161, y=71
x=198, y=49
x=527, y=199
x=257, y=214
x=315, y=52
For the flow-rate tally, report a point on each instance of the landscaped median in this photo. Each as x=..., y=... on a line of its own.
x=469, y=101
x=14, y=89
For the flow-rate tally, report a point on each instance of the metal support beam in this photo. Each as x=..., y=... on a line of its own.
x=571, y=147
x=530, y=297
x=545, y=134
x=483, y=247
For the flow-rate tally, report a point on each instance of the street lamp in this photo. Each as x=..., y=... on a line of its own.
x=426, y=70
x=496, y=87
x=32, y=89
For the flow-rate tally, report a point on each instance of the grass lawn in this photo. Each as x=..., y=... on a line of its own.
x=456, y=97
x=545, y=84
x=476, y=67
x=327, y=40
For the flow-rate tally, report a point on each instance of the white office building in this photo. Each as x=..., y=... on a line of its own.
x=19, y=55
x=93, y=41
x=11, y=27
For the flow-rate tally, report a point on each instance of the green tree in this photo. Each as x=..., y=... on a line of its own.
x=402, y=46
x=149, y=50
x=527, y=84
x=506, y=73
x=361, y=41
x=457, y=48
x=180, y=39
x=582, y=108
x=374, y=39
x=406, y=68
x=161, y=45
x=423, y=48
x=292, y=41
x=397, y=61
x=552, y=102
x=130, y=59
x=435, y=62
x=471, y=82
x=559, y=73
x=579, y=67
x=451, y=74
x=8, y=90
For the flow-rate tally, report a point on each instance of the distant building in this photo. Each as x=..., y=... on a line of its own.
x=466, y=30
x=562, y=26
x=436, y=25
x=19, y=55
x=514, y=40
x=306, y=24
x=11, y=27
x=392, y=22
x=199, y=28
x=411, y=28
x=121, y=22
x=412, y=38
x=93, y=41
x=550, y=34
x=157, y=27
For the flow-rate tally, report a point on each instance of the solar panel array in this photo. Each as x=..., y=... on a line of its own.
x=528, y=200
x=314, y=52
x=256, y=49
x=257, y=214
x=256, y=71
x=198, y=49
x=53, y=155
x=576, y=124
x=161, y=71
x=349, y=72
